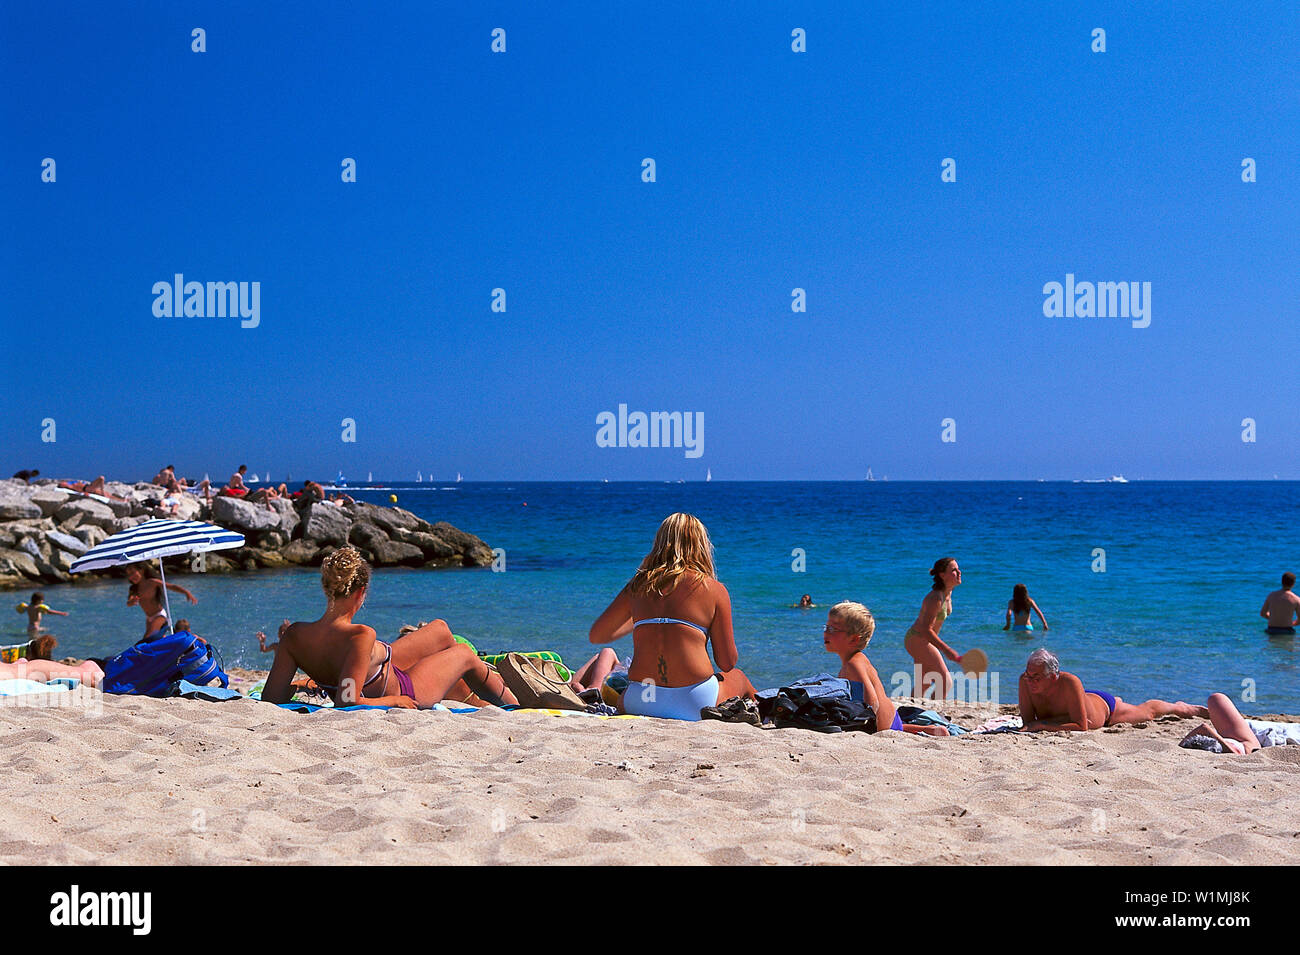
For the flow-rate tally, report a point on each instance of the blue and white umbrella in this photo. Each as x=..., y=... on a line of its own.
x=157, y=539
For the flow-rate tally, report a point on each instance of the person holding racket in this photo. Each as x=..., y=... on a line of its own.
x=922, y=640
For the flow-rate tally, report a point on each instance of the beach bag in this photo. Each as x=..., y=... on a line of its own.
x=494, y=659
x=153, y=665
x=537, y=685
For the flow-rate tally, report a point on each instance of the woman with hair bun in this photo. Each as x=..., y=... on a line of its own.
x=350, y=661
x=922, y=639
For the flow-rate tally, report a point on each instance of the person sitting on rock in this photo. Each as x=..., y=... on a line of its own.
x=349, y=661
x=236, y=487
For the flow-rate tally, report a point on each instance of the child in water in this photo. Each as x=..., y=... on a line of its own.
x=1019, y=607
x=35, y=610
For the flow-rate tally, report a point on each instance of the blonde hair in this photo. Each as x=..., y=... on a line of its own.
x=857, y=620
x=344, y=572
x=681, y=546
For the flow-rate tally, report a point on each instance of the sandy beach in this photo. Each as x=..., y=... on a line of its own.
x=133, y=780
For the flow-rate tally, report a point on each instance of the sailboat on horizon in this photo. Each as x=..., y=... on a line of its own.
x=870, y=476
x=708, y=475
x=458, y=478
x=419, y=478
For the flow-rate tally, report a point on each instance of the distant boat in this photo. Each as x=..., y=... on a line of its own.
x=870, y=476
x=606, y=480
x=370, y=477
x=1118, y=479
x=457, y=477
x=419, y=478
x=252, y=479
x=340, y=480
x=708, y=474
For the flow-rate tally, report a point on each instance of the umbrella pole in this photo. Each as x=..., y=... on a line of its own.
x=171, y=624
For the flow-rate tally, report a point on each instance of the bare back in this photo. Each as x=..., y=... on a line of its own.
x=327, y=650
x=1282, y=607
x=674, y=654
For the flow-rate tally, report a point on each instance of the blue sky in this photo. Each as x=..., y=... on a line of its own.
x=775, y=170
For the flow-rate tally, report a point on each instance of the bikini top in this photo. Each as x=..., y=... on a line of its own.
x=670, y=620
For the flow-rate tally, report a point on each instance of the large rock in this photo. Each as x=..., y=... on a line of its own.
x=475, y=550
x=367, y=536
x=216, y=564
x=289, y=518
x=17, y=562
x=391, y=553
x=16, y=503
x=49, y=499
x=68, y=542
x=36, y=547
x=272, y=539
x=302, y=552
x=91, y=512
x=264, y=557
x=388, y=519
x=243, y=516
x=62, y=560
x=91, y=535
x=327, y=524
x=431, y=544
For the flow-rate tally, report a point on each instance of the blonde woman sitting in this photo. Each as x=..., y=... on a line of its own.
x=349, y=661
x=674, y=606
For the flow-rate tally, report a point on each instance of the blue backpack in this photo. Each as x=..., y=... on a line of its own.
x=152, y=666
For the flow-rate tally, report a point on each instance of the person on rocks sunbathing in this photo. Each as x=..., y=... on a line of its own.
x=1053, y=700
x=354, y=666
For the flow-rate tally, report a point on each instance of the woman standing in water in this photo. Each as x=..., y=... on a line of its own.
x=1019, y=608
x=922, y=639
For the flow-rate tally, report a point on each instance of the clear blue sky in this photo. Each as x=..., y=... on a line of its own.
x=775, y=170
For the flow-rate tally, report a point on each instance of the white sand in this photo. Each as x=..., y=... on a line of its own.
x=131, y=780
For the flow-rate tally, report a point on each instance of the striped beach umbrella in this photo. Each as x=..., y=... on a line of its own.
x=157, y=539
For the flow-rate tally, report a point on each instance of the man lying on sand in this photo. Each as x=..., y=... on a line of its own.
x=1052, y=700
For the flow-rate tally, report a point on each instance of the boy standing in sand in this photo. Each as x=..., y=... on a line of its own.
x=1282, y=609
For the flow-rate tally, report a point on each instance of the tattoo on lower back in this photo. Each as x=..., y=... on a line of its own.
x=663, y=670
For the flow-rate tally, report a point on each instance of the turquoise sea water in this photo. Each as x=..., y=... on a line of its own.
x=1174, y=615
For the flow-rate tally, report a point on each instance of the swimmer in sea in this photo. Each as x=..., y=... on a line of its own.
x=1019, y=608
x=35, y=610
x=1281, y=609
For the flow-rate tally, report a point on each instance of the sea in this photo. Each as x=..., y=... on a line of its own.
x=1151, y=589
